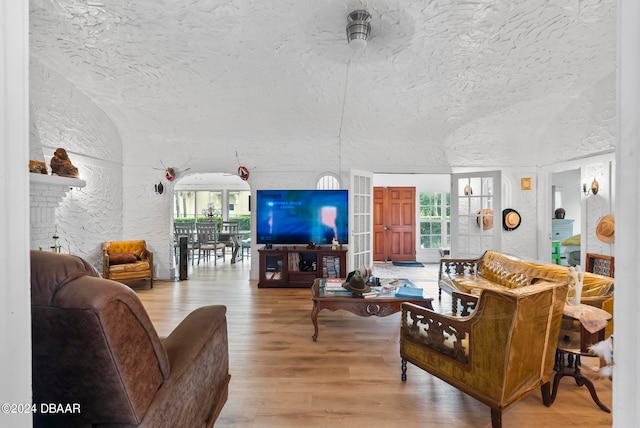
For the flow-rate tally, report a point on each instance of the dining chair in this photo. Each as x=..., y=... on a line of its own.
x=208, y=241
x=184, y=229
x=230, y=230
x=230, y=226
x=246, y=245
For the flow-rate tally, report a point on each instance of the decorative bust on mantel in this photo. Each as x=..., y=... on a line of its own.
x=61, y=164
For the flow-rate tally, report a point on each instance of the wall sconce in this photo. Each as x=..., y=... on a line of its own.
x=159, y=188
x=595, y=186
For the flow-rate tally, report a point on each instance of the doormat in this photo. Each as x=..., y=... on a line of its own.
x=408, y=264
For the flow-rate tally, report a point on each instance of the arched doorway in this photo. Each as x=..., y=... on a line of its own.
x=214, y=197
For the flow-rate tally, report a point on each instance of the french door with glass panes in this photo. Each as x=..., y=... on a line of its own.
x=361, y=220
x=476, y=213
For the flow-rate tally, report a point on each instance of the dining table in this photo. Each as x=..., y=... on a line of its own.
x=235, y=239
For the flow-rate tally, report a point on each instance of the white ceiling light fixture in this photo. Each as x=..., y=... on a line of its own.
x=358, y=28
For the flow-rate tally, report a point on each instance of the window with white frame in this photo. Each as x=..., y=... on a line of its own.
x=328, y=182
x=435, y=220
x=194, y=204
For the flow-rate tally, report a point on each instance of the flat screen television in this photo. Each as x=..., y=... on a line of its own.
x=302, y=216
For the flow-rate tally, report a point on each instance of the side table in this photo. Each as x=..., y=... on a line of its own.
x=574, y=342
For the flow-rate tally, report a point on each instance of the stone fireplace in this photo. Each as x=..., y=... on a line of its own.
x=46, y=193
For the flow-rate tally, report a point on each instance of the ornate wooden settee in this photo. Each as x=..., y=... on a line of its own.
x=498, y=271
x=499, y=353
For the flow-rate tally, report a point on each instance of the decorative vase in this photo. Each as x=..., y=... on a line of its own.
x=576, y=280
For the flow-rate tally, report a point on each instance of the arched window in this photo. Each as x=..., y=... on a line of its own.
x=328, y=181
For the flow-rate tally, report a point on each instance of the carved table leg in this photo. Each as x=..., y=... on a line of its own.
x=314, y=319
x=572, y=368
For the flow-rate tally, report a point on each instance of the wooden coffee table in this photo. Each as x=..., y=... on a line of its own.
x=374, y=306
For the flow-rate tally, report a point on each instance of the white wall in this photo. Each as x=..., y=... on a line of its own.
x=569, y=185
x=62, y=116
x=626, y=371
x=15, y=313
x=523, y=240
x=597, y=206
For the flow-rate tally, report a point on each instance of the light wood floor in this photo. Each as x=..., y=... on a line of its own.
x=350, y=377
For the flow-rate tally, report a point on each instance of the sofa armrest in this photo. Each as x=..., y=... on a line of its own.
x=452, y=267
x=462, y=304
x=187, y=340
x=596, y=301
x=149, y=256
x=105, y=260
x=199, y=360
x=447, y=335
x=458, y=266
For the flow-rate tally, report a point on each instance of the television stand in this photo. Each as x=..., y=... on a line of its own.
x=298, y=266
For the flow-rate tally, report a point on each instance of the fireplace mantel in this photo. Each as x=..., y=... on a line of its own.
x=55, y=180
x=46, y=192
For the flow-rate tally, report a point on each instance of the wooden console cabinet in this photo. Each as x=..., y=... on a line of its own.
x=299, y=267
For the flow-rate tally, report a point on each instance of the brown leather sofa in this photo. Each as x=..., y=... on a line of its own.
x=499, y=353
x=95, y=350
x=125, y=260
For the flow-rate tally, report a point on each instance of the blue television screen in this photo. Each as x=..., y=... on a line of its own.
x=302, y=216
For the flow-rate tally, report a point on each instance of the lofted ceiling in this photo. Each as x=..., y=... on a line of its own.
x=441, y=83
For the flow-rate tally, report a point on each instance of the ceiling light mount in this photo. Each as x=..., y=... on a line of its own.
x=358, y=28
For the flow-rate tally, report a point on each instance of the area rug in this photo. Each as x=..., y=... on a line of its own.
x=408, y=264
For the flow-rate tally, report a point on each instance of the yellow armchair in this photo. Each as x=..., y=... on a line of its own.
x=499, y=353
x=123, y=260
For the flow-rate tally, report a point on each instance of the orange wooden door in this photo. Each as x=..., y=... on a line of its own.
x=380, y=250
x=394, y=223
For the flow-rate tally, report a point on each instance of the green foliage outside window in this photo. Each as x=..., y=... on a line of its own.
x=206, y=205
x=245, y=220
x=435, y=213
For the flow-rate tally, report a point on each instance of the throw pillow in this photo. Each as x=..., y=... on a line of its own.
x=573, y=240
x=122, y=258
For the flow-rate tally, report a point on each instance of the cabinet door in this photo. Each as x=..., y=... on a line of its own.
x=273, y=270
x=561, y=229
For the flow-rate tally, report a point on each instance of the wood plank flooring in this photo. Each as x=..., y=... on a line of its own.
x=350, y=377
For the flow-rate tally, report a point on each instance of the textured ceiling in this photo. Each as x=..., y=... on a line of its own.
x=461, y=83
